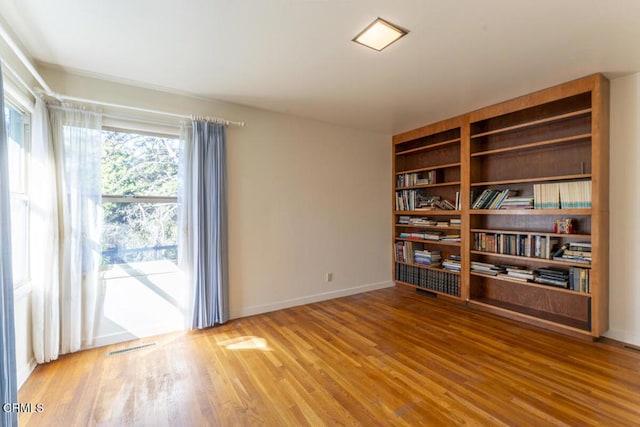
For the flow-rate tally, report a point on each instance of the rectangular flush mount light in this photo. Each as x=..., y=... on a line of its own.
x=379, y=34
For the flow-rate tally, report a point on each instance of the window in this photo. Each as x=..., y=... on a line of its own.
x=18, y=140
x=140, y=186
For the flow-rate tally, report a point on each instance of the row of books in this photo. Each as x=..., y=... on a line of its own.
x=500, y=199
x=575, y=278
x=562, y=195
x=419, y=178
x=574, y=252
x=535, y=246
x=433, y=235
x=406, y=252
x=439, y=281
x=452, y=263
x=427, y=222
x=413, y=200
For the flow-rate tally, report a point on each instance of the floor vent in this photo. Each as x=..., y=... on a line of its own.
x=130, y=349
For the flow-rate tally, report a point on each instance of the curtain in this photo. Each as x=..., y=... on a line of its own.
x=203, y=202
x=45, y=299
x=77, y=144
x=8, y=383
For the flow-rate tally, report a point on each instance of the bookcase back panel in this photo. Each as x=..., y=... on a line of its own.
x=568, y=159
x=562, y=129
x=434, y=157
x=540, y=112
x=429, y=140
x=565, y=308
x=530, y=223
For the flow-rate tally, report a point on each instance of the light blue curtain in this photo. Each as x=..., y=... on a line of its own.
x=204, y=221
x=8, y=383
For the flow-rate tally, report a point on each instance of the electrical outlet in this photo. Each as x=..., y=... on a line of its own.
x=329, y=277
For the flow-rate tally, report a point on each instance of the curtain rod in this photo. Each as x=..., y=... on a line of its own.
x=144, y=110
x=49, y=92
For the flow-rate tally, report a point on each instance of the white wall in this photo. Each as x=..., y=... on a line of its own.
x=624, y=305
x=25, y=362
x=305, y=198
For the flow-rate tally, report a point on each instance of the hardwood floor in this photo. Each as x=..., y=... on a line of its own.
x=388, y=357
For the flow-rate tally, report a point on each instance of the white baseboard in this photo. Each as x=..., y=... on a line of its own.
x=123, y=336
x=25, y=372
x=259, y=309
x=623, y=336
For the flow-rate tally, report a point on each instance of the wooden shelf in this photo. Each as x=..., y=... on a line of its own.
x=567, y=212
x=428, y=227
x=533, y=180
x=428, y=213
x=532, y=233
x=532, y=145
x=411, y=285
x=430, y=168
x=531, y=284
x=534, y=123
x=428, y=147
x=441, y=184
x=536, y=317
x=435, y=242
x=427, y=267
x=534, y=259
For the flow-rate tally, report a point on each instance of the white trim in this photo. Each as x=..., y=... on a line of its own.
x=124, y=336
x=15, y=95
x=25, y=372
x=239, y=312
x=23, y=58
x=628, y=337
x=21, y=291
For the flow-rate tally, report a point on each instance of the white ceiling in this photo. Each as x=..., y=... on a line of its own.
x=296, y=56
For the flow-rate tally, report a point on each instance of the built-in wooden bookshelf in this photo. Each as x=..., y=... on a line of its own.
x=434, y=154
x=537, y=147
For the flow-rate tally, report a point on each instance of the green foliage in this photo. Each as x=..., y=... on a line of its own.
x=139, y=165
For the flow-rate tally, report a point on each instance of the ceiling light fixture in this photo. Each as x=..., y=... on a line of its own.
x=379, y=34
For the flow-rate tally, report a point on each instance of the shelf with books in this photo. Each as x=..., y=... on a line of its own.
x=430, y=168
x=531, y=259
x=538, y=212
x=433, y=242
x=429, y=212
x=451, y=222
x=448, y=174
x=428, y=267
x=428, y=289
x=533, y=245
x=519, y=232
x=432, y=279
x=531, y=284
x=440, y=184
x=428, y=227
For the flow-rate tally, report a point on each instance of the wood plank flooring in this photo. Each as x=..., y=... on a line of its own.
x=388, y=357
